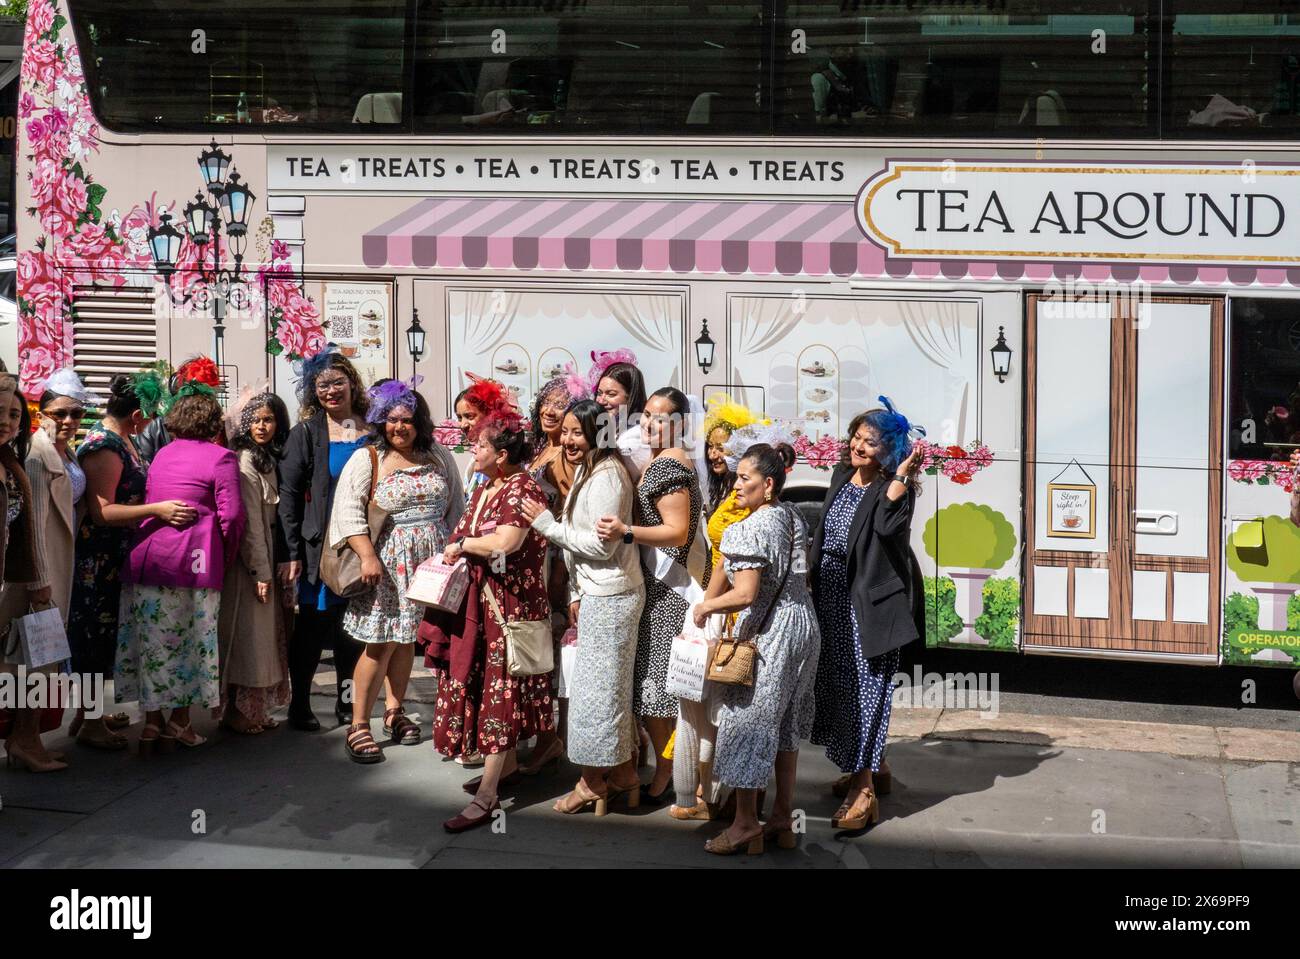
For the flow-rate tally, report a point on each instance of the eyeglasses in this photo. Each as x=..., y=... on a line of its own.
x=401, y=422
x=75, y=413
x=325, y=386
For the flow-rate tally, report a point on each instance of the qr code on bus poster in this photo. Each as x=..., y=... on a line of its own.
x=343, y=327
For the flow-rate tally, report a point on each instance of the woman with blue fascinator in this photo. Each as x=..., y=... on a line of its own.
x=868, y=594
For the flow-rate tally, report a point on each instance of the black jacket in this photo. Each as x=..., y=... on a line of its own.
x=304, y=509
x=885, y=584
x=153, y=438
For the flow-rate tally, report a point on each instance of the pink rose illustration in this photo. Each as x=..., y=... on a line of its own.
x=290, y=337
x=26, y=104
x=1245, y=471
x=448, y=433
x=39, y=363
x=40, y=19
x=70, y=196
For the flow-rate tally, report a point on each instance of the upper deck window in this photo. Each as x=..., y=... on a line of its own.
x=1120, y=69
x=963, y=68
x=194, y=64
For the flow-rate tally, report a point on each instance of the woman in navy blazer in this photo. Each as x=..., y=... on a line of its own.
x=867, y=591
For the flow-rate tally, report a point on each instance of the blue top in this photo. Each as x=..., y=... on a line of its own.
x=320, y=596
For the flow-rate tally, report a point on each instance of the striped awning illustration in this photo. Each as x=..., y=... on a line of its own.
x=787, y=238
x=755, y=237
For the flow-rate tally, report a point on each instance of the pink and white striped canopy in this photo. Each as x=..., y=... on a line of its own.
x=759, y=238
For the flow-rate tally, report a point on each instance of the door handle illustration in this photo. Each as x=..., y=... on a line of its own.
x=1155, y=522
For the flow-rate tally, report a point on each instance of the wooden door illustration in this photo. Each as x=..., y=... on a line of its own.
x=1123, y=481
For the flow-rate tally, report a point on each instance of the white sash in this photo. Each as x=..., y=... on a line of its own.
x=684, y=581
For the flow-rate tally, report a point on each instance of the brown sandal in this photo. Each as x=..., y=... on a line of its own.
x=400, y=728
x=844, y=818
x=361, y=745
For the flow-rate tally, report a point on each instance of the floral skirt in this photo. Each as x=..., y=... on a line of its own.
x=493, y=710
x=167, y=647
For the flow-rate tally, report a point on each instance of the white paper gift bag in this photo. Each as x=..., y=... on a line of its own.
x=44, y=640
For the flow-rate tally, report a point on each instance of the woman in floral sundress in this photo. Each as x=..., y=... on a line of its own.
x=480, y=705
x=416, y=484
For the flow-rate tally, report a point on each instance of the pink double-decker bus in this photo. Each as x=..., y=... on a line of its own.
x=1065, y=238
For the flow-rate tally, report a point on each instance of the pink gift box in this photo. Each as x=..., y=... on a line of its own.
x=439, y=585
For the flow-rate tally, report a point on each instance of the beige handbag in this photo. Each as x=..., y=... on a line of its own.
x=340, y=569
x=733, y=661
x=530, y=649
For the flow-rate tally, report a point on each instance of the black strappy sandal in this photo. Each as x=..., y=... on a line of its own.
x=400, y=728
x=361, y=745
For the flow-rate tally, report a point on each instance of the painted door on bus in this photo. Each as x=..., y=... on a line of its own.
x=1123, y=486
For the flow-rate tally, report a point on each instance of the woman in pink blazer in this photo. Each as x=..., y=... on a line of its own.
x=171, y=598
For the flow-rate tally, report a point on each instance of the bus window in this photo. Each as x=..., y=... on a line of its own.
x=620, y=66
x=879, y=67
x=1264, y=381
x=192, y=64
x=1233, y=74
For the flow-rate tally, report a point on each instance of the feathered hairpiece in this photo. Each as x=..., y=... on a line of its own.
x=66, y=382
x=192, y=388
x=725, y=412
x=307, y=370
x=148, y=387
x=384, y=396
x=601, y=361
x=753, y=434
x=201, y=369
x=895, y=431
x=239, y=415
x=576, y=383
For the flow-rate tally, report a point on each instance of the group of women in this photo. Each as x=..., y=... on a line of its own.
x=197, y=580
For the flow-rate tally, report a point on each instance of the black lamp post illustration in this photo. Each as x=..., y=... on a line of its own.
x=415, y=338
x=1001, y=357
x=228, y=209
x=704, y=348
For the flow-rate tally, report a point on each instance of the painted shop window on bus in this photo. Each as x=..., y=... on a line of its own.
x=963, y=67
x=589, y=67
x=1233, y=74
x=194, y=64
x=1264, y=381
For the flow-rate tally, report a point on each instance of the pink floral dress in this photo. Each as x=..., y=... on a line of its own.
x=494, y=710
x=416, y=500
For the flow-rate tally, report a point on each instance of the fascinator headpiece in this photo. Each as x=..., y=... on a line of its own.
x=602, y=361
x=389, y=394
x=725, y=412
x=239, y=417
x=895, y=431
x=752, y=434
x=150, y=388
x=66, y=382
x=307, y=370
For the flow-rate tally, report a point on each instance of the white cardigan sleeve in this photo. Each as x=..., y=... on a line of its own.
x=348, y=516
x=602, y=495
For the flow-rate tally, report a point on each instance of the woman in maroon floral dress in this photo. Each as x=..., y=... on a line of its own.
x=481, y=707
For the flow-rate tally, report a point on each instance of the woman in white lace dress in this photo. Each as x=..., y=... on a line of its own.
x=417, y=485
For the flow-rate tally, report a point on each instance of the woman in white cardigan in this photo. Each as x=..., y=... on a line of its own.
x=606, y=597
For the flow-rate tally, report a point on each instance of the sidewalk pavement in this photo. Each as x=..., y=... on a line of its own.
x=969, y=791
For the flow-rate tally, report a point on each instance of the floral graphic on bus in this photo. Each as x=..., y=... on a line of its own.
x=1262, y=473
x=959, y=464
x=79, y=242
